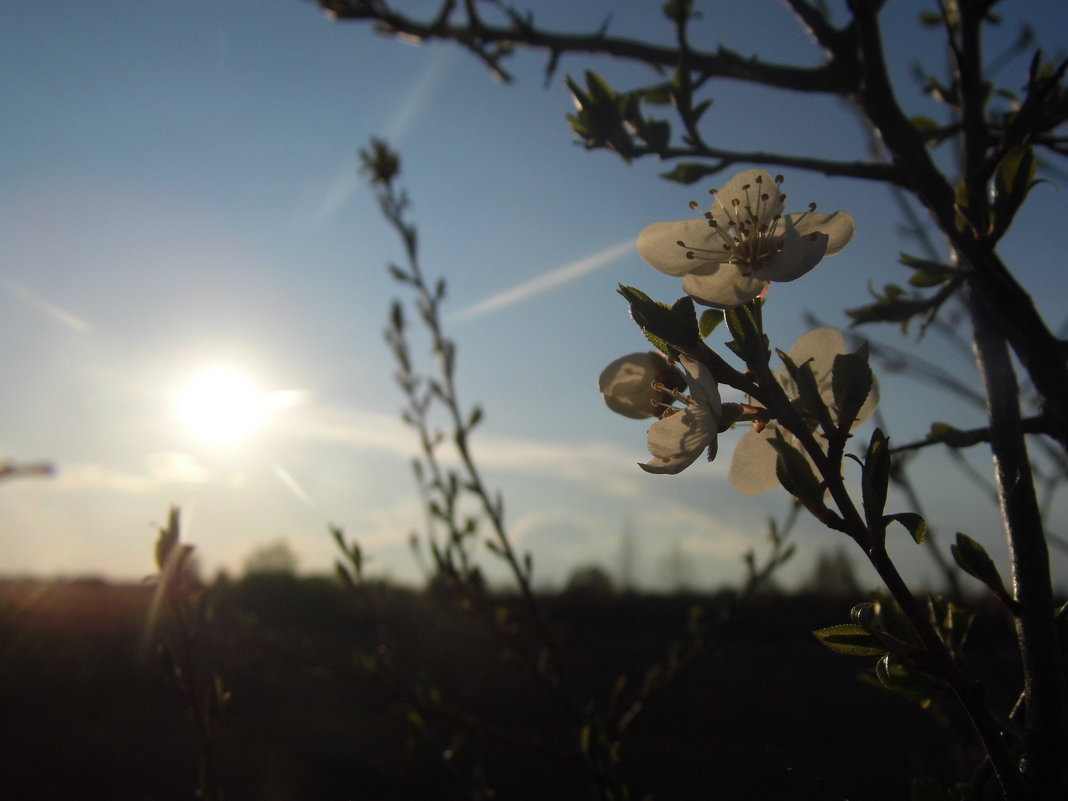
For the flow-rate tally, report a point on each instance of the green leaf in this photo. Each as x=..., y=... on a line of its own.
x=658, y=95
x=168, y=538
x=864, y=615
x=699, y=110
x=975, y=561
x=795, y=474
x=808, y=391
x=688, y=172
x=924, y=124
x=850, y=639
x=900, y=678
x=953, y=622
x=1013, y=181
x=745, y=326
x=678, y=10
x=669, y=328
x=915, y=524
x=710, y=319
x=892, y=306
x=928, y=789
x=598, y=87
x=875, y=479
x=343, y=575
x=960, y=202
x=475, y=418
x=851, y=382
x=656, y=133
x=686, y=314
x=599, y=121
x=893, y=621
x=927, y=273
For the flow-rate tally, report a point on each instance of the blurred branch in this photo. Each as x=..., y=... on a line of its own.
x=29, y=469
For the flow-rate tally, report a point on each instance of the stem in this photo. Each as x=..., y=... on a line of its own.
x=393, y=207
x=936, y=657
x=969, y=693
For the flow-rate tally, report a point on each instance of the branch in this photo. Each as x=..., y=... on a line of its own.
x=965, y=438
x=872, y=171
x=833, y=77
x=1035, y=625
x=1011, y=309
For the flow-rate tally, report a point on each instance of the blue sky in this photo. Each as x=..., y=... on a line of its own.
x=178, y=190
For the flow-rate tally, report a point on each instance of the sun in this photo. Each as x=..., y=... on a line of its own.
x=222, y=405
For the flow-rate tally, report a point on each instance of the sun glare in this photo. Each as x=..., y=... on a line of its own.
x=222, y=406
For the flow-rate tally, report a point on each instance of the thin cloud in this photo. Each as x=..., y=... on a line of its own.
x=606, y=467
x=164, y=469
x=550, y=280
x=56, y=312
x=347, y=180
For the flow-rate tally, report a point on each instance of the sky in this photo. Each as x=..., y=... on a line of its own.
x=179, y=198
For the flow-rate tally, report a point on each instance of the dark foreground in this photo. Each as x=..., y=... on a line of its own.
x=767, y=714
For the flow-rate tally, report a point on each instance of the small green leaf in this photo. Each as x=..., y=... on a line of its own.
x=678, y=10
x=928, y=789
x=953, y=622
x=343, y=575
x=745, y=326
x=657, y=95
x=657, y=134
x=795, y=474
x=960, y=202
x=915, y=524
x=699, y=110
x=864, y=615
x=875, y=479
x=598, y=87
x=710, y=319
x=893, y=621
x=168, y=539
x=475, y=418
x=891, y=306
x=975, y=561
x=924, y=124
x=850, y=639
x=688, y=172
x=1013, y=181
x=808, y=391
x=667, y=327
x=851, y=382
x=900, y=678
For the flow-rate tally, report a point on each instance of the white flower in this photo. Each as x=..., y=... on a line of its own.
x=639, y=385
x=753, y=464
x=727, y=257
x=678, y=438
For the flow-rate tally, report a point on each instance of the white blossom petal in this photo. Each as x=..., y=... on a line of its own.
x=669, y=466
x=759, y=182
x=723, y=287
x=703, y=385
x=687, y=431
x=838, y=227
x=753, y=464
x=821, y=345
x=658, y=244
x=627, y=384
x=799, y=254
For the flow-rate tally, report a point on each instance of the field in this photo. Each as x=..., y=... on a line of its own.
x=766, y=713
